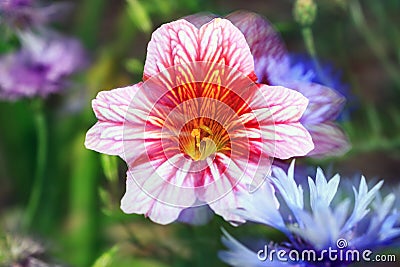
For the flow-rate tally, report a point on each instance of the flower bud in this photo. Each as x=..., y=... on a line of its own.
x=304, y=12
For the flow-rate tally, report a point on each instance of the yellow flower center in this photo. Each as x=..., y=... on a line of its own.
x=203, y=141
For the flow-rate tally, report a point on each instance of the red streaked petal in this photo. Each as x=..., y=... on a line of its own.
x=221, y=42
x=115, y=110
x=239, y=173
x=158, y=186
x=280, y=103
x=105, y=137
x=329, y=140
x=112, y=105
x=138, y=201
x=218, y=43
x=171, y=44
x=287, y=140
x=278, y=112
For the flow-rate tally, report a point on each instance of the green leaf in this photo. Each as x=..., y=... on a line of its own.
x=104, y=197
x=134, y=65
x=110, y=167
x=139, y=16
x=107, y=258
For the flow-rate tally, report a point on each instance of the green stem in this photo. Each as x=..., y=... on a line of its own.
x=41, y=151
x=310, y=46
x=372, y=40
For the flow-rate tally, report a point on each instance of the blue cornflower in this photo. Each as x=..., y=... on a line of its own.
x=328, y=75
x=327, y=219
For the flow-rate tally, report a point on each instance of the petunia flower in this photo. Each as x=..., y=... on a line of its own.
x=40, y=67
x=198, y=129
x=329, y=218
x=29, y=13
x=273, y=66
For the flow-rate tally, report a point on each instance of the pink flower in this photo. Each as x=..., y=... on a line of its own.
x=273, y=67
x=198, y=129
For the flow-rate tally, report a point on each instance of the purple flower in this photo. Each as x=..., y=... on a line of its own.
x=40, y=67
x=320, y=221
x=23, y=13
x=328, y=75
x=198, y=215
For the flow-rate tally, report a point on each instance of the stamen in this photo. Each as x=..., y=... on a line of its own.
x=205, y=146
x=196, y=134
x=201, y=138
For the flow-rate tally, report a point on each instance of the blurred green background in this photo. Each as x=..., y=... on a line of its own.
x=79, y=220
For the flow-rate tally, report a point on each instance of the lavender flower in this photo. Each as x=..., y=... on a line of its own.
x=199, y=215
x=23, y=13
x=40, y=67
x=371, y=222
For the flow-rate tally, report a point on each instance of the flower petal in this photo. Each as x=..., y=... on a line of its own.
x=110, y=107
x=324, y=103
x=199, y=215
x=158, y=187
x=264, y=41
x=278, y=112
x=180, y=42
x=329, y=139
x=238, y=175
x=172, y=44
x=287, y=140
x=138, y=201
x=262, y=207
x=221, y=42
x=105, y=137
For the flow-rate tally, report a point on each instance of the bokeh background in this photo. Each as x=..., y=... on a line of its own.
x=79, y=221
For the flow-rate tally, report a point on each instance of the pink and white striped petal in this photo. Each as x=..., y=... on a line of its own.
x=329, y=139
x=136, y=200
x=180, y=43
x=158, y=188
x=278, y=112
x=110, y=108
x=287, y=140
x=222, y=42
x=283, y=104
x=106, y=137
x=112, y=105
x=240, y=175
